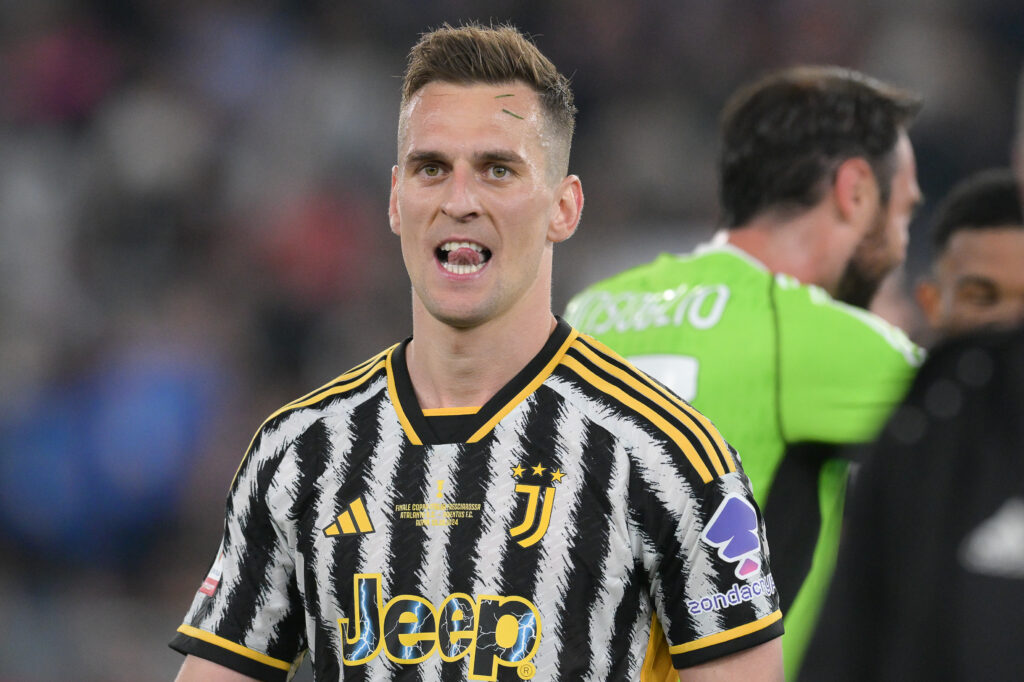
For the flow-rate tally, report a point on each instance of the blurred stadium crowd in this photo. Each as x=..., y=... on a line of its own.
x=193, y=232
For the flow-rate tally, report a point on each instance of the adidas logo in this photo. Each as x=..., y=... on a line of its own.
x=353, y=521
x=996, y=547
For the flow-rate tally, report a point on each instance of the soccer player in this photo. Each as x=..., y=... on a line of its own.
x=498, y=497
x=817, y=185
x=930, y=579
x=977, y=274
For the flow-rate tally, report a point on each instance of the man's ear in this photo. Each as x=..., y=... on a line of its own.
x=929, y=300
x=567, y=211
x=856, y=191
x=393, y=217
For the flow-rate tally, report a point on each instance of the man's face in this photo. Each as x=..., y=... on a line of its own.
x=474, y=203
x=977, y=281
x=884, y=245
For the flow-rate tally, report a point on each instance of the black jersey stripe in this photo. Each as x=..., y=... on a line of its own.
x=627, y=612
x=472, y=481
x=407, y=549
x=474, y=478
x=588, y=548
x=313, y=450
x=660, y=422
x=708, y=434
x=291, y=627
x=255, y=550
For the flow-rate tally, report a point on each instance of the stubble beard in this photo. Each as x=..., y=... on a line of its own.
x=868, y=267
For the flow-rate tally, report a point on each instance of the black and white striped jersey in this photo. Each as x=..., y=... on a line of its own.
x=583, y=524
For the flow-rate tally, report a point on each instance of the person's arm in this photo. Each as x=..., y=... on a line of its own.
x=762, y=663
x=196, y=669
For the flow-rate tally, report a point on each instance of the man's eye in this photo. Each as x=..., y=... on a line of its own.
x=499, y=172
x=431, y=170
x=981, y=296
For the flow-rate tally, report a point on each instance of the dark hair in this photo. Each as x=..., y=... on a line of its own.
x=473, y=53
x=986, y=199
x=784, y=136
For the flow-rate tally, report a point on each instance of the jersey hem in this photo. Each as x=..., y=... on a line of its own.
x=744, y=637
x=239, y=662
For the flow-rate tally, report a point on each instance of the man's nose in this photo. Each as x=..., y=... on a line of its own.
x=461, y=202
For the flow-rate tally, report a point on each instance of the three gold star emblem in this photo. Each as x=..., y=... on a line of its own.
x=556, y=476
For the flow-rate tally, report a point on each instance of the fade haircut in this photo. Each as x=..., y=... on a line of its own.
x=472, y=53
x=784, y=137
x=985, y=200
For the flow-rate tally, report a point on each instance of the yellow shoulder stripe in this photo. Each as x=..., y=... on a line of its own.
x=677, y=408
x=355, y=371
x=671, y=431
x=711, y=640
x=234, y=647
x=330, y=389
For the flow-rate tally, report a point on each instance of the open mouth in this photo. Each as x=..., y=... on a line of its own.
x=462, y=258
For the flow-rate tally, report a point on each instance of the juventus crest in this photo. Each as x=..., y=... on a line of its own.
x=540, y=499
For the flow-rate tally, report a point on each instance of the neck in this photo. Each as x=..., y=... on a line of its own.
x=465, y=367
x=803, y=247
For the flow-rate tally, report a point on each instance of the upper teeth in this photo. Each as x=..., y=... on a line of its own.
x=451, y=246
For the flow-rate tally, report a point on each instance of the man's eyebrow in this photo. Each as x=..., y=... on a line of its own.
x=503, y=155
x=490, y=156
x=424, y=155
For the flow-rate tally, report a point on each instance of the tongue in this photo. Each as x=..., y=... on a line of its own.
x=465, y=256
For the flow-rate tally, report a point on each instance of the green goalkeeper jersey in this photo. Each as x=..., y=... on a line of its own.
x=783, y=370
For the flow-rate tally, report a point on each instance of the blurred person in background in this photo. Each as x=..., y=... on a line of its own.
x=817, y=185
x=977, y=273
x=929, y=583
x=408, y=475
x=1017, y=148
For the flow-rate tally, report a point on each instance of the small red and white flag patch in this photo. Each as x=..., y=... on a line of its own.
x=209, y=586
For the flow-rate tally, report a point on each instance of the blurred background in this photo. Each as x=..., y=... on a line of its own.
x=193, y=232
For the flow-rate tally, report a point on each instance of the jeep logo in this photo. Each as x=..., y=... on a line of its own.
x=493, y=630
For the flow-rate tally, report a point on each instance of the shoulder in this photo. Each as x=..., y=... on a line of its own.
x=636, y=408
x=345, y=392
x=810, y=317
x=357, y=381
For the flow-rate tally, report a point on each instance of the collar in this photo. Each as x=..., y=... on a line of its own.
x=483, y=421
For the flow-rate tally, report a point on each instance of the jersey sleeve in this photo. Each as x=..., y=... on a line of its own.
x=841, y=370
x=712, y=585
x=247, y=614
